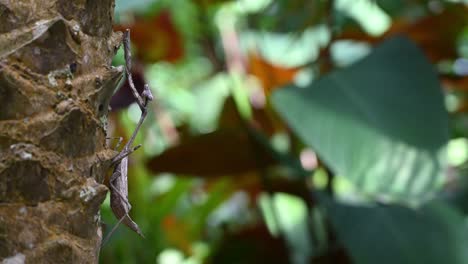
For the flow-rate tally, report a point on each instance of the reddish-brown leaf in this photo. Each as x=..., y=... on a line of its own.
x=155, y=38
x=334, y=255
x=177, y=233
x=435, y=34
x=254, y=186
x=271, y=76
x=251, y=245
x=262, y=119
x=456, y=83
x=230, y=116
x=223, y=152
x=460, y=86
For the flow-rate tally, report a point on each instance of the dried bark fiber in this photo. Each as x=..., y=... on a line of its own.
x=55, y=82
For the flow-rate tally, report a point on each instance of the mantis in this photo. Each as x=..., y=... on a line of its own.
x=118, y=182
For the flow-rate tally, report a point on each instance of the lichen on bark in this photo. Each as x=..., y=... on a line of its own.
x=55, y=82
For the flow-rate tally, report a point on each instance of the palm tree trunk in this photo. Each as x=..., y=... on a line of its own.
x=55, y=82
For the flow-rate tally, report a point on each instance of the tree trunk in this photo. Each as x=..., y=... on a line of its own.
x=55, y=84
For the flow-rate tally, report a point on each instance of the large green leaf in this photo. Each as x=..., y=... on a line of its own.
x=380, y=122
x=433, y=234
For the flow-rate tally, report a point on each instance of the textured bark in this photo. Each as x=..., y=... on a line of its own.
x=55, y=82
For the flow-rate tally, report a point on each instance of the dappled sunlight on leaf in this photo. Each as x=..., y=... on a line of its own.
x=388, y=145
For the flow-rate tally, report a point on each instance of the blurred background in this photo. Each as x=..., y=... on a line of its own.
x=295, y=132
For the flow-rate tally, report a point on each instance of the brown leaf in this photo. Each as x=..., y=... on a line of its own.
x=456, y=83
x=177, y=233
x=435, y=34
x=333, y=256
x=124, y=97
x=254, y=186
x=263, y=119
x=271, y=76
x=223, y=152
x=230, y=116
x=460, y=86
x=155, y=38
x=251, y=245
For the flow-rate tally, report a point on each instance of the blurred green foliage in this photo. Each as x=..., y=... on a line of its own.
x=296, y=132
